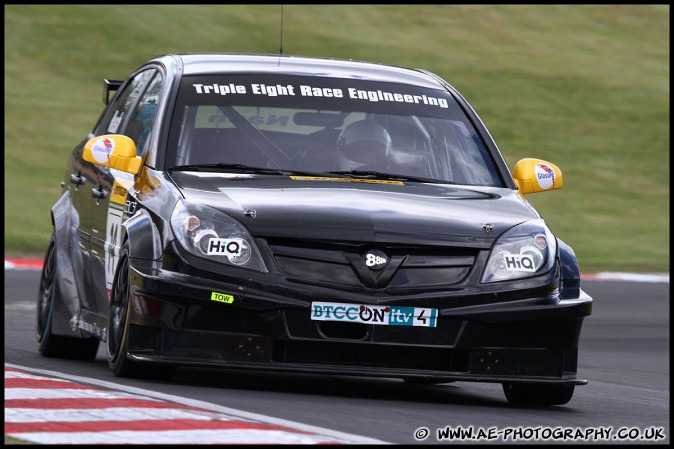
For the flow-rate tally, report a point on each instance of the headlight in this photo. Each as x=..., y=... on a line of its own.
x=526, y=250
x=213, y=235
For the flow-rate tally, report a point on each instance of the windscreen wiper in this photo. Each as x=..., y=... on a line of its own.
x=226, y=167
x=387, y=176
x=241, y=168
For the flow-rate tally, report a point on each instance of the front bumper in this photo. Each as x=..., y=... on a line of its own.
x=241, y=323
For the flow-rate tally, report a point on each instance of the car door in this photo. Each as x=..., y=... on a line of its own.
x=136, y=113
x=81, y=177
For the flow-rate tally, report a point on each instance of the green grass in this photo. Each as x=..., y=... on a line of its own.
x=583, y=86
x=10, y=440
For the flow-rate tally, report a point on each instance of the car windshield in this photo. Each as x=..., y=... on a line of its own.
x=326, y=125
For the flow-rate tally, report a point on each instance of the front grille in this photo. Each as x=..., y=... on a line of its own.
x=345, y=264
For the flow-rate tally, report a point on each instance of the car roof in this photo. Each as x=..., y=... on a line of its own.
x=213, y=63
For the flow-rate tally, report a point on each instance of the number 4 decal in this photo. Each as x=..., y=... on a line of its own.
x=429, y=321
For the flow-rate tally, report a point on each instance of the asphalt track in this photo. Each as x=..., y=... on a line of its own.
x=624, y=353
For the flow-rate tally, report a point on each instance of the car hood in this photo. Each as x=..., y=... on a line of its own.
x=348, y=210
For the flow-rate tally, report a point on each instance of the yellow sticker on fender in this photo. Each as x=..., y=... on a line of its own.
x=119, y=190
x=222, y=297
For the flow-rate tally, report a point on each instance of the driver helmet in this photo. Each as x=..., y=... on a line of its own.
x=364, y=143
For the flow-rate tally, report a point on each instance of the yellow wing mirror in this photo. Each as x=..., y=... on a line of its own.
x=115, y=151
x=536, y=175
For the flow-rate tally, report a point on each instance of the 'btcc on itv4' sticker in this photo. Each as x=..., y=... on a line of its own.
x=370, y=314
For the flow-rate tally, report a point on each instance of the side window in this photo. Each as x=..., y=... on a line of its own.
x=118, y=111
x=142, y=118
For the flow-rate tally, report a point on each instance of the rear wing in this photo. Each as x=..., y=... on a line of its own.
x=110, y=86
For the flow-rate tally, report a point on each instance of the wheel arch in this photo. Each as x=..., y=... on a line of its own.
x=569, y=285
x=143, y=237
x=61, y=216
x=69, y=304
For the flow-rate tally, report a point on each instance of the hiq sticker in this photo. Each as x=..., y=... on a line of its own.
x=225, y=247
x=519, y=262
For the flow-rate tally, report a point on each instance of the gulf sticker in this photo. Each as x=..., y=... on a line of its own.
x=327, y=178
x=101, y=149
x=545, y=176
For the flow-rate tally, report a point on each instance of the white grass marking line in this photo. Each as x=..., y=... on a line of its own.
x=633, y=277
x=56, y=393
x=117, y=414
x=18, y=375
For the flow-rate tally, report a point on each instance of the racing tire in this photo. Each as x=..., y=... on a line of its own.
x=118, y=330
x=48, y=344
x=537, y=394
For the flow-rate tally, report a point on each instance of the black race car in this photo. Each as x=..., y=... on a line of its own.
x=307, y=215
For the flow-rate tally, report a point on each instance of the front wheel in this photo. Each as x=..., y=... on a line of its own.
x=118, y=329
x=118, y=322
x=537, y=394
x=48, y=344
